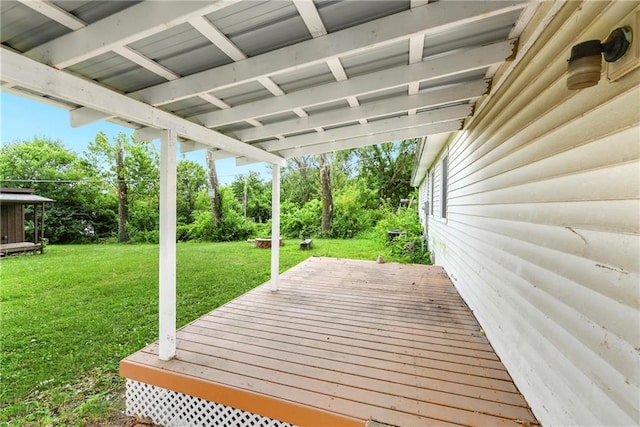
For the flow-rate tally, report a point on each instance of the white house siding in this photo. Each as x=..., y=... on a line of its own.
x=542, y=234
x=423, y=197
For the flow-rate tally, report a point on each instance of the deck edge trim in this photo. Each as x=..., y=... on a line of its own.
x=245, y=400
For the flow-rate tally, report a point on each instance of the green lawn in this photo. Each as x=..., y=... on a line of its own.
x=70, y=315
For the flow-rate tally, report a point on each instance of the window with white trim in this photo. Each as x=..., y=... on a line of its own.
x=432, y=188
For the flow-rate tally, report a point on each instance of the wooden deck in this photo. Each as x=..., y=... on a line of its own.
x=343, y=342
x=8, y=248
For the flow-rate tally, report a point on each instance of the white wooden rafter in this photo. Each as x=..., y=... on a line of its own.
x=430, y=19
x=145, y=62
x=222, y=42
x=431, y=69
x=217, y=37
x=366, y=140
x=379, y=126
x=428, y=99
x=33, y=75
x=416, y=47
x=418, y=3
x=214, y=100
x=309, y=13
x=125, y=27
x=83, y=115
x=56, y=13
x=313, y=21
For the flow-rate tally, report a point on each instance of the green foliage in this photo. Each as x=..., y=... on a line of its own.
x=144, y=219
x=263, y=229
x=362, y=181
x=407, y=246
x=141, y=164
x=192, y=178
x=387, y=167
x=355, y=210
x=253, y=195
x=53, y=171
x=139, y=171
x=233, y=226
x=301, y=223
x=300, y=181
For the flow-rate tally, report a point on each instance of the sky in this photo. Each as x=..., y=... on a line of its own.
x=21, y=119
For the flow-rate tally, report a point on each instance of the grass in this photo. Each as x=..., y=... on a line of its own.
x=69, y=316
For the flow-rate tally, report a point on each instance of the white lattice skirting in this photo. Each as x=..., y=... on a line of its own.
x=172, y=409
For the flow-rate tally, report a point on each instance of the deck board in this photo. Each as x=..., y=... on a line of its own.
x=340, y=343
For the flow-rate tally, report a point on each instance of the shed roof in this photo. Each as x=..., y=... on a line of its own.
x=261, y=80
x=22, y=199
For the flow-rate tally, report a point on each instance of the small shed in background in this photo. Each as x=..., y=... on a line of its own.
x=12, y=220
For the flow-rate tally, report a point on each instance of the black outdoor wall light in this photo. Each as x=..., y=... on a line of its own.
x=585, y=63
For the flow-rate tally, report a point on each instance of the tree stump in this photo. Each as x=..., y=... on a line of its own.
x=265, y=243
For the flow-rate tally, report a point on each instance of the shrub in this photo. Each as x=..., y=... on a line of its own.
x=351, y=217
x=262, y=229
x=152, y=236
x=408, y=245
x=232, y=227
x=303, y=222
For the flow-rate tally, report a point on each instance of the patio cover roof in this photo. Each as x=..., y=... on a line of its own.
x=261, y=80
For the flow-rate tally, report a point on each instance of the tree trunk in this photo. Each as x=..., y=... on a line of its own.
x=301, y=162
x=123, y=193
x=214, y=189
x=327, y=196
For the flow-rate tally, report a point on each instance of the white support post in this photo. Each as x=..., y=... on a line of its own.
x=275, y=227
x=168, y=184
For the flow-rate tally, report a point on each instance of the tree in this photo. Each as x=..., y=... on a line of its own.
x=327, y=195
x=53, y=171
x=387, y=167
x=214, y=188
x=254, y=195
x=192, y=178
x=131, y=170
x=301, y=180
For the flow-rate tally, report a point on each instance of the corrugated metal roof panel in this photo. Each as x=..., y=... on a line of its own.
x=468, y=76
x=474, y=34
x=94, y=10
x=245, y=17
x=383, y=94
x=21, y=28
x=274, y=118
x=117, y=72
x=338, y=15
x=236, y=127
x=190, y=107
x=182, y=49
x=243, y=93
x=315, y=109
x=304, y=77
x=392, y=55
x=259, y=27
x=302, y=132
